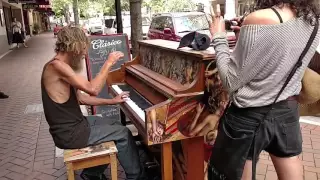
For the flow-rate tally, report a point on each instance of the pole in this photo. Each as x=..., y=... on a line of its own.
x=119, y=17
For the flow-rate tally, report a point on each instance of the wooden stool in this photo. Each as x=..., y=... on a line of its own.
x=104, y=153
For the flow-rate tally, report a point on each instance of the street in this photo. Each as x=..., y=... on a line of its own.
x=26, y=148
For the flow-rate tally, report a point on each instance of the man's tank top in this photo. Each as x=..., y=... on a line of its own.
x=68, y=127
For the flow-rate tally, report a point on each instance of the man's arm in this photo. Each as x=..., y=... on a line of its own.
x=92, y=87
x=85, y=99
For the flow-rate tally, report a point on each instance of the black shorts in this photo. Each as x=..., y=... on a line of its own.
x=245, y=130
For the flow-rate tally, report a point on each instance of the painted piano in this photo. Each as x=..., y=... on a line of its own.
x=175, y=96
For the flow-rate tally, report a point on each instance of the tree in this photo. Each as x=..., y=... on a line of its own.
x=59, y=7
x=110, y=9
x=136, y=25
x=158, y=6
x=179, y=5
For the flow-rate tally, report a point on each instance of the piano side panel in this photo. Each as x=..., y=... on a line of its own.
x=172, y=120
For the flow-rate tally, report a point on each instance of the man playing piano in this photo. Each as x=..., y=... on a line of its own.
x=61, y=95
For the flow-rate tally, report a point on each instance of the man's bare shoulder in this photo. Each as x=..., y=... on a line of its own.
x=61, y=68
x=49, y=72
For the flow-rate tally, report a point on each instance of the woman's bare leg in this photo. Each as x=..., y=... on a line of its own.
x=247, y=171
x=288, y=168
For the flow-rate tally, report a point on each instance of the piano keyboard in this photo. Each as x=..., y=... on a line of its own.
x=137, y=103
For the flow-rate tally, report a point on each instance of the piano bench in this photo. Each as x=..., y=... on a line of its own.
x=91, y=156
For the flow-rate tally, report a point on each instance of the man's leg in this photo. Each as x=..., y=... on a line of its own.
x=127, y=150
x=96, y=171
x=288, y=168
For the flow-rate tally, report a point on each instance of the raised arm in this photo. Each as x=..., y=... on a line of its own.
x=92, y=87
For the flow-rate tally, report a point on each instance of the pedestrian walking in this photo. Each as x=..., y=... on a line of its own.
x=263, y=78
x=17, y=33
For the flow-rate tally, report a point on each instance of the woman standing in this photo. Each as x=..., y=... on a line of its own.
x=17, y=35
x=270, y=43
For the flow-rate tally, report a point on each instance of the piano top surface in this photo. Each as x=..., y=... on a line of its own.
x=207, y=54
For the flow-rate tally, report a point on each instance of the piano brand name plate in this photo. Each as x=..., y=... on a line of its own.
x=99, y=49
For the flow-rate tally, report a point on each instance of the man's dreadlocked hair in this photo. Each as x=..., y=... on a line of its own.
x=309, y=9
x=71, y=40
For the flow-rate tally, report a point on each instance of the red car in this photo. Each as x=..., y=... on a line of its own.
x=173, y=26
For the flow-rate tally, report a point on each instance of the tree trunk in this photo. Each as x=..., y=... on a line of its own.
x=66, y=14
x=76, y=12
x=136, y=25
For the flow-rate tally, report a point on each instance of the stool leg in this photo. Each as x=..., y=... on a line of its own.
x=114, y=171
x=70, y=171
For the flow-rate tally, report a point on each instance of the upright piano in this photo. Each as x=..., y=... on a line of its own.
x=166, y=88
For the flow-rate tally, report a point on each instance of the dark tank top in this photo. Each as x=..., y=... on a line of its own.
x=68, y=127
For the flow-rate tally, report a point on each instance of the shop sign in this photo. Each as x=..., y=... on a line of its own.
x=30, y=6
x=22, y=1
x=44, y=6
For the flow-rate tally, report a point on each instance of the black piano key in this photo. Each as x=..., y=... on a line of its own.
x=136, y=97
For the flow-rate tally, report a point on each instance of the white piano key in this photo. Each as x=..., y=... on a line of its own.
x=130, y=103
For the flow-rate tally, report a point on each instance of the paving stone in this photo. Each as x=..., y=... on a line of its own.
x=60, y=172
x=19, y=161
x=45, y=177
x=4, y=172
x=15, y=176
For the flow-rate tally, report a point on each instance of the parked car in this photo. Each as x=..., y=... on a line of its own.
x=173, y=26
x=95, y=26
x=146, y=21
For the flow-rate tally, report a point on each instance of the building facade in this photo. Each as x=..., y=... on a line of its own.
x=30, y=13
x=8, y=11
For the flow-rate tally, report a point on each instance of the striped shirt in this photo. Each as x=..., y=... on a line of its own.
x=263, y=57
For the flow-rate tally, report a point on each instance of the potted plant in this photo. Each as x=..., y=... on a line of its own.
x=36, y=28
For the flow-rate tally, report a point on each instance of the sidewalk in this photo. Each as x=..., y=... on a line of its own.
x=26, y=148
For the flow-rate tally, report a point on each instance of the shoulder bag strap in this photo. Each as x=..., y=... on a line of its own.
x=299, y=62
